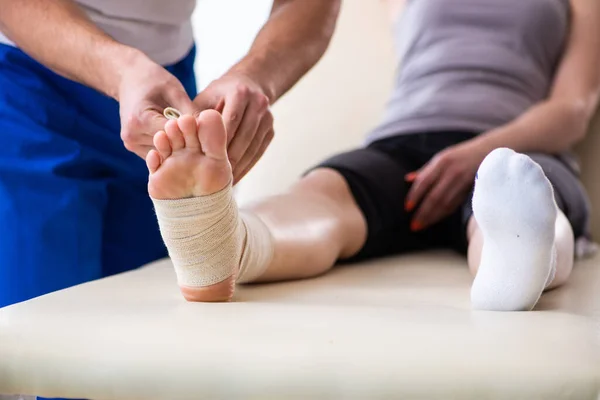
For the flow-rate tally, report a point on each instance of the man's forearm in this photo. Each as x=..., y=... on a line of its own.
x=550, y=127
x=291, y=42
x=59, y=35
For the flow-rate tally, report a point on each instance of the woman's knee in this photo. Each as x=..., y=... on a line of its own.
x=330, y=190
x=325, y=182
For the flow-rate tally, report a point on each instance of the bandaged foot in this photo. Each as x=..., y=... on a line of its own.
x=515, y=209
x=212, y=245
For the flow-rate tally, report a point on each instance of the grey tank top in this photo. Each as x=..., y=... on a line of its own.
x=472, y=65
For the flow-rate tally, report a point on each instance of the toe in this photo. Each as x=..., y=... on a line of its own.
x=153, y=161
x=212, y=135
x=162, y=144
x=187, y=124
x=175, y=135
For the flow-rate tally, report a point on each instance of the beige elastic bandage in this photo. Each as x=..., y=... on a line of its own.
x=171, y=113
x=209, y=240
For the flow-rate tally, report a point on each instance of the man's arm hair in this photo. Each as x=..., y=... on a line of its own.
x=59, y=35
x=290, y=43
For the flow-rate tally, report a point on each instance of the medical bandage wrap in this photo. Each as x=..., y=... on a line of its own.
x=209, y=240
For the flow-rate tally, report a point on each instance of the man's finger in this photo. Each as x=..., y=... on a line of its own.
x=252, y=154
x=204, y=102
x=157, y=122
x=233, y=113
x=263, y=147
x=136, y=134
x=142, y=151
x=246, y=133
x=185, y=105
x=421, y=185
x=141, y=139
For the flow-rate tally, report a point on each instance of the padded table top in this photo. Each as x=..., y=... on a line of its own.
x=394, y=328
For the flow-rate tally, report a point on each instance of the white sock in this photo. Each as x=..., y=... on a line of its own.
x=209, y=240
x=552, y=273
x=515, y=209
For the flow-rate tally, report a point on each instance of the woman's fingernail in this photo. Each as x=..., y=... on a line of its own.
x=416, y=226
x=410, y=205
x=410, y=177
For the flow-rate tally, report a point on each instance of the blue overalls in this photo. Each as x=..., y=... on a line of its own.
x=74, y=204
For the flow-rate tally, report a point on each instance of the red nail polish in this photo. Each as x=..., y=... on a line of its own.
x=410, y=205
x=416, y=226
x=410, y=177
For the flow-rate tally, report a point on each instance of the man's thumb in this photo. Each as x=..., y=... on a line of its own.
x=204, y=101
x=188, y=107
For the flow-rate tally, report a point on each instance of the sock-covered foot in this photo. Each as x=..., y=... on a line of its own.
x=514, y=207
x=190, y=185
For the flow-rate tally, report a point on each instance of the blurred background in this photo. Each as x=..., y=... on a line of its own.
x=223, y=36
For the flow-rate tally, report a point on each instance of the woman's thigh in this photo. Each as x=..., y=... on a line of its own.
x=569, y=192
x=376, y=177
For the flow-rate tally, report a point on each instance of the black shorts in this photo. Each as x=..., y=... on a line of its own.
x=375, y=175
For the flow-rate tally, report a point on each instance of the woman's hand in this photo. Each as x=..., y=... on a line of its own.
x=442, y=184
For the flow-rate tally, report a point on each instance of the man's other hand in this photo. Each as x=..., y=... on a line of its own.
x=248, y=120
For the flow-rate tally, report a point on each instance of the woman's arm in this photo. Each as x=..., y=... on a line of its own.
x=556, y=124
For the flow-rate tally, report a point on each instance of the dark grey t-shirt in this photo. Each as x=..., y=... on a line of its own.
x=472, y=65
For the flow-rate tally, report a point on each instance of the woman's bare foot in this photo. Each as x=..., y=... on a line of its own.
x=190, y=160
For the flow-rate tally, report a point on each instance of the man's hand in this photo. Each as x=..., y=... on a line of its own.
x=248, y=120
x=292, y=40
x=442, y=184
x=82, y=52
x=146, y=89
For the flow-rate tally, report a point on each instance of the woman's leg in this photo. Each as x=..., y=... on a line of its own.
x=295, y=235
x=520, y=243
x=324, y=226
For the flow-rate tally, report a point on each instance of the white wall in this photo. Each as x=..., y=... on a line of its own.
x=224, y=30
